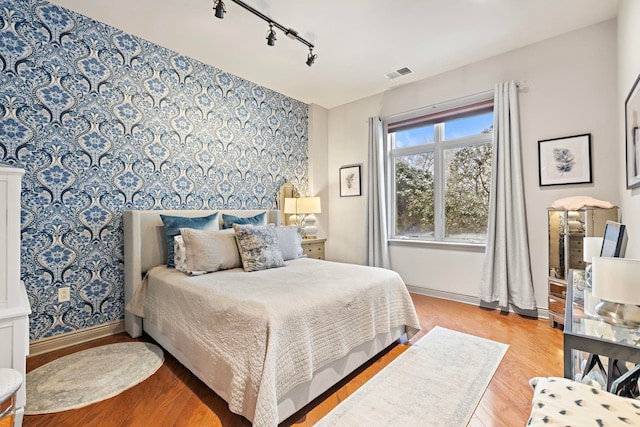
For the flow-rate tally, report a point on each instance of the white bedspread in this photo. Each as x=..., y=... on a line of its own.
x=256, y=335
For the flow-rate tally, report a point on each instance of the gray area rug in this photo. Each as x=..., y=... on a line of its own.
x=438, y=381
x=89, y=376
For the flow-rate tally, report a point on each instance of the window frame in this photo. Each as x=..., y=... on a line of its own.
x=438, y=147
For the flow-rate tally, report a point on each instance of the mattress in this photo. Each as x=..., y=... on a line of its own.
x=255, y=336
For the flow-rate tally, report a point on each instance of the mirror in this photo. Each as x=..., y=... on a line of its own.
x=286, y=190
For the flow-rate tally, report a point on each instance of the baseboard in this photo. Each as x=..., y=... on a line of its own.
x=542, y=313
x=45, y=345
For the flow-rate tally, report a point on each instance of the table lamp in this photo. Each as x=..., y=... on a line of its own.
x=291, y=208
x=616, y=281
x=308, y=206
x=302, y=210
x=591, y=249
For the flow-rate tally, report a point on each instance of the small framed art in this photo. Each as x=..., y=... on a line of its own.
x=632, y=120
x=565, y=160
x=350, y=181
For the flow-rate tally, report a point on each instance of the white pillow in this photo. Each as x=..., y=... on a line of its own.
x=578, y=202
x=209, y=251
x=290, y=242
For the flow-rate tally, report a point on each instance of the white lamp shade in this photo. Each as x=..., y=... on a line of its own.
x=616, y=280
x=290, y=206
x=308, y=205
x=591, y=248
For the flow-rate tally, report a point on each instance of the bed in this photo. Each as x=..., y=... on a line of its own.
x=268, y=342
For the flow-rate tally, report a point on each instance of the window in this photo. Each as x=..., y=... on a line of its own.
x=440, y=173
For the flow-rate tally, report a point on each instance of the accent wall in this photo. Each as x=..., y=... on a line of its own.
x=103, y=121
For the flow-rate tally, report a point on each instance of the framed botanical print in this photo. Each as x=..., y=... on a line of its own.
x=565, y=160
x=350, y=181
x=632, y=120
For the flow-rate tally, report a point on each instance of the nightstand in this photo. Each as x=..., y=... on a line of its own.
x=313, y=248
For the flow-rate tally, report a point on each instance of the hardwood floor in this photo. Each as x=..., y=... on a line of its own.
x=175, y=397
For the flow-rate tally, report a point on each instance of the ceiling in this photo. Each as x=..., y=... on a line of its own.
x=357, y=41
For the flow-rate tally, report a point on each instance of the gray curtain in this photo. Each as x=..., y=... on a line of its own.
x=506, y=276
x=376, y=222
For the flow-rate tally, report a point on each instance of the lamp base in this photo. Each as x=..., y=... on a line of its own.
x=294, y=220
x=590, y=302
x=309, y=228
x=625, y=315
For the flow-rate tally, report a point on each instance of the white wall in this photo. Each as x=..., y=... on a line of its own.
x=318, y=164
x=628, y=70
x=570, y=89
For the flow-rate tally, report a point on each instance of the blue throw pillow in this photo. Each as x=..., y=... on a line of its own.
x=229, y=220
x=173, y=224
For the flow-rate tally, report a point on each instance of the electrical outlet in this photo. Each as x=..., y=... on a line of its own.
x=64, y=294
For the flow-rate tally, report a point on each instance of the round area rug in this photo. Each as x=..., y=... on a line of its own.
x=90, y=376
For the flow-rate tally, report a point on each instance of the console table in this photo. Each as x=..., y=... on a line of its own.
x=583, y=332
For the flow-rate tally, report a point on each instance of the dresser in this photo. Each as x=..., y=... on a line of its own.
x=313, y=248
x=14, y=304
x=567, y=229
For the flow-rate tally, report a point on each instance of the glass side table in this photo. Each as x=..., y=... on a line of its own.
x=586, y=333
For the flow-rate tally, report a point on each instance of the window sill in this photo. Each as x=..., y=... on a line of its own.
x=466, y=246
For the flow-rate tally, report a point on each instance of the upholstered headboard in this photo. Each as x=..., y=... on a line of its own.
x=145, y=247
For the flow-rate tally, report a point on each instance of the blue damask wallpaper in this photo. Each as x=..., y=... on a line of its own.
x=103, y=121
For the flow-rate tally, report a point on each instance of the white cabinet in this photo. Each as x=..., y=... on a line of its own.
x=14, y=304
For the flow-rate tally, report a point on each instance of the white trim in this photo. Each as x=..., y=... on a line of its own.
x=437, y=149
x=467, y=246
x=441, y=106
x=542, y=313
x=45, y=345
x=439, y=220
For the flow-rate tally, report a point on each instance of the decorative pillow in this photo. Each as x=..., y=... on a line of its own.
x=173, y=224
x=259, y=247
x=229, y=220
x=563, y=402
x=210, y=250
x=180, y=254
x=290, y=242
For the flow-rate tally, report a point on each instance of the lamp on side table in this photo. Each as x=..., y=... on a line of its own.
x=616, y=281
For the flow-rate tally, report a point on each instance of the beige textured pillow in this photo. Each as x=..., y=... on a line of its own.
x=210, y=250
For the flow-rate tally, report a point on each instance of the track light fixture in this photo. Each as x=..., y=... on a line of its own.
x=271, y=35
x=311, y=58
x=218, y=6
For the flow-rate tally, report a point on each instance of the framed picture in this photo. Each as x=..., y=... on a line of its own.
x=565, y=160
x=350, y=181
x=632, y=120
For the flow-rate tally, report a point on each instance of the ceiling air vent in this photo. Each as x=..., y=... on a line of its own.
x=399, y=73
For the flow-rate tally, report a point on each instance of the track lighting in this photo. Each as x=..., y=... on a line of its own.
x=218, y=6
x=311, y=58
x=271, y=36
